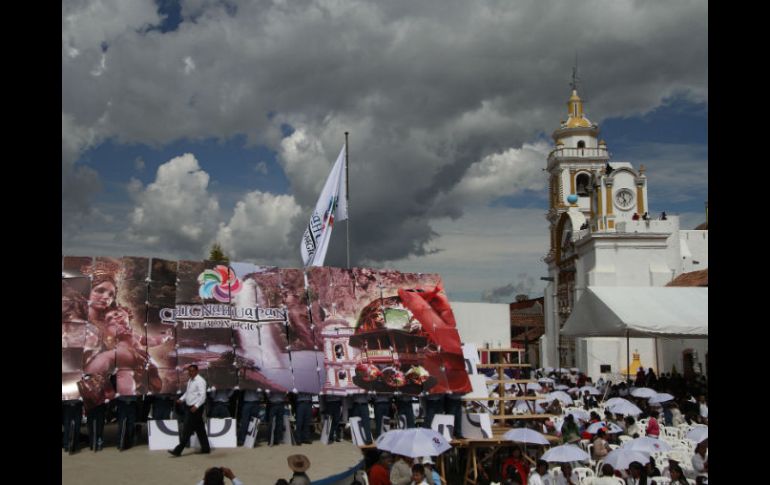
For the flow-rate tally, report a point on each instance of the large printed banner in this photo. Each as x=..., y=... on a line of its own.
x=130, y=326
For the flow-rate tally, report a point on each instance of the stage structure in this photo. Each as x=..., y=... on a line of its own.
x=131, y=325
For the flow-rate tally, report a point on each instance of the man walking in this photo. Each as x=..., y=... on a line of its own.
x=193, y=398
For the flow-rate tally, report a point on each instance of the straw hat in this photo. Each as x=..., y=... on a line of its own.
x=298, y=463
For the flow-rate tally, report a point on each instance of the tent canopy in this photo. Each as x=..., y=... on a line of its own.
x=674, y=312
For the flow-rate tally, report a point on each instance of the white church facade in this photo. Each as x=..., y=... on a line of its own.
x=599, y=237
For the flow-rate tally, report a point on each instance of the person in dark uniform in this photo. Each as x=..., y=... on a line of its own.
x=220, y=399
x=333, y=408
x=126, y=421
x=162, y=404
x=275, y=411
x=383, y=404
x=95, y=422
x=360, y=409
x=252, y=402
x=453, y=403
x=404, y=405
x=72, y=412
x=434, y=404
x=304, y=415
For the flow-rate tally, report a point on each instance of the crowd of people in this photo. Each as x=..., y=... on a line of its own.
x=613, y=429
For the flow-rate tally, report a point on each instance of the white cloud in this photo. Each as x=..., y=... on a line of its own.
x=259, y=229
x=176, y=209
x=439, y=96
x=189, y=65
x=261, y=168
x=504, y=174
x=485, y=248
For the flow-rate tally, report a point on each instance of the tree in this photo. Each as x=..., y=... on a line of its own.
x=216, y=254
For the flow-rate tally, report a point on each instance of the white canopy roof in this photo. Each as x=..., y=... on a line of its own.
x=604, y=311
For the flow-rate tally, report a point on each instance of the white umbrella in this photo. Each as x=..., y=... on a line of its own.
x=561, y=387
x=561, y=396
x=562, y=370
x=626, y=409
x=525, y=435
x=547, y=380
x=573, y=390
x=565, y=454
x=614, y=400
x=612, y=428
x=645, y=443
x=643, y=392
x=413, y=442
x=574, y=369
x=579, y=414
x=534, y=386
x=621, y=458
x=698, y=434
x=591, y=390
x=660, y=397
x=548, y=369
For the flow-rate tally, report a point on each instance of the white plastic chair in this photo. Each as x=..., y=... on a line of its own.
x=584, y=444
x=598, y=467
x=361, y=477
x=583, y=473
x=660, y=480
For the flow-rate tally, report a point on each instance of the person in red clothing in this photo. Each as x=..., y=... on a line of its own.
x=653, y=429
x=517, y=463
x=379, y=473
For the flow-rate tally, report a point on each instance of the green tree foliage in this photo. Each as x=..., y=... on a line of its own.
x=216, y=254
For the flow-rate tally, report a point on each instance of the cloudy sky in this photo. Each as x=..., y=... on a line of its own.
x=190, y=122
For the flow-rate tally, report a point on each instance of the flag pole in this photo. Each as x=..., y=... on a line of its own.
x=347, y=201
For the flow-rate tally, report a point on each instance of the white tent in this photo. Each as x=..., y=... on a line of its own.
x=673, y=312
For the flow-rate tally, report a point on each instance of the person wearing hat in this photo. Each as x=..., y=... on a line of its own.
x=299, y=465
x=431, y=475
x=216, y=476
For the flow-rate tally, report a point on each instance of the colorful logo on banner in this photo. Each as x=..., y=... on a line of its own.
x=219, y=283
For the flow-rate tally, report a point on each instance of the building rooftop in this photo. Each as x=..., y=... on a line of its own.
x=694, y=278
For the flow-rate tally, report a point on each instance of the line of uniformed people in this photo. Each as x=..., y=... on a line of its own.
x=269, y=407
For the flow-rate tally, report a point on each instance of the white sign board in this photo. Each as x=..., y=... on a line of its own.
x=476, y=425
x=251, y=433
x=444, y=424
x=220, y=432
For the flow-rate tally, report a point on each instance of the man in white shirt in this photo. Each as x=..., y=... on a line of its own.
x=538, y=477
x=193, y=398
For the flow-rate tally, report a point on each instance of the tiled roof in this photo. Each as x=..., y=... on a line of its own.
x=694, y=278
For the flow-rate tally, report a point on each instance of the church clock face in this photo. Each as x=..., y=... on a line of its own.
x=624, y=199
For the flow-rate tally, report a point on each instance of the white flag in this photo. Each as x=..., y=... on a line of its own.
x=332, y=206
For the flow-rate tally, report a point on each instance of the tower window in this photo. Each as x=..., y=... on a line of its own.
x=581, y=144
x=582, y=182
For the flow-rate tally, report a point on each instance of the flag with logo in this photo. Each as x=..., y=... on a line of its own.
x=332, y=206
